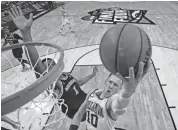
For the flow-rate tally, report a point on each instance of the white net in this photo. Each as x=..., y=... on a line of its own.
x=44, y=111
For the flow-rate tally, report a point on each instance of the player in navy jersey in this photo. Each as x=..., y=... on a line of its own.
x=66, y=84
x=12, y=38
x=69, y=89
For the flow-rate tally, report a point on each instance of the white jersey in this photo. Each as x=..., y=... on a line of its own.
x=97, y=116
x=63, y=12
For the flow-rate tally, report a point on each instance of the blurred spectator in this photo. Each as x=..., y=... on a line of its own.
x=50, y=5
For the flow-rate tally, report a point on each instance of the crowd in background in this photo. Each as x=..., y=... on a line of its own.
x=38, y=8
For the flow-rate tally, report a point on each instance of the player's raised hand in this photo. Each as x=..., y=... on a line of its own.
x=95, y=70
x=133, y=80
x=20, y=21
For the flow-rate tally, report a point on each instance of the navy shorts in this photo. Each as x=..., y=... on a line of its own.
x=17, y=52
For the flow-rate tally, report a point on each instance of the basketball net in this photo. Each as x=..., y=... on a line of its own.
x=44, y=111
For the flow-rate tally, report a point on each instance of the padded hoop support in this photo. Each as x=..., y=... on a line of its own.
x=18, y=99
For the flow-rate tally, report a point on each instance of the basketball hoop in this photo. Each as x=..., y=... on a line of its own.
x=22, y=92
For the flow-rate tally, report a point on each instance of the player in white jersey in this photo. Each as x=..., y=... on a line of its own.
x=65, y=20
x=97, y=116
x=105, y=106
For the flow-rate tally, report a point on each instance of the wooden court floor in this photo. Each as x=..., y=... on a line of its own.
x=152, y=107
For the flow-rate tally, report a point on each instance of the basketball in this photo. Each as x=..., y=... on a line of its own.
x=124, y=46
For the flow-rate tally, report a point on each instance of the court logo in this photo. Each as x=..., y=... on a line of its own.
x=116, y=15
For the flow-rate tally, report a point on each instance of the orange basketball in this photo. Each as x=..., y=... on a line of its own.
x=124, y=46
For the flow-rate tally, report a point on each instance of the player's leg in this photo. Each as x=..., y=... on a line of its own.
x=62, y=26
x=70, y=27
x=68, y=22
x=62, y=29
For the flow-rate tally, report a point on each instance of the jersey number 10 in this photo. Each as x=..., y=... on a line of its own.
x=92, y=119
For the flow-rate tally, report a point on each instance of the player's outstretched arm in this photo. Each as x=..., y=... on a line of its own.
x=89, y=77
x=119, y=103
x=11, y=122
x=24, y=25
x=78, y=116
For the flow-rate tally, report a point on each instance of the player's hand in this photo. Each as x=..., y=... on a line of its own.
x=20, y=21
x=95, y=70
x=131, y=83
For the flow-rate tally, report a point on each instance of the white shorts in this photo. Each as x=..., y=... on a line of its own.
x=65, y=21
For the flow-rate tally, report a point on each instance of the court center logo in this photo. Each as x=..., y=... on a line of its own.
x=116, y=15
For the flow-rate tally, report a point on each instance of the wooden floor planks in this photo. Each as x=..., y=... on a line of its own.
x=148, y=108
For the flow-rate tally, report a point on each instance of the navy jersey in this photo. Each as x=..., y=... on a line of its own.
x=73, y=95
